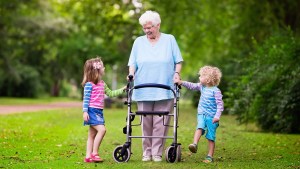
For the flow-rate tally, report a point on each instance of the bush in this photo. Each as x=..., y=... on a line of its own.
x=269, y=91
x=23, y=83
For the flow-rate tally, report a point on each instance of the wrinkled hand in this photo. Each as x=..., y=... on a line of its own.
x=176, y=78
x=178, y=81
x=86, y=116
x=216, y=120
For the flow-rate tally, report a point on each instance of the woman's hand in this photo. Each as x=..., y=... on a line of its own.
x=176, y=77
x=86, y=116
x=178, y=81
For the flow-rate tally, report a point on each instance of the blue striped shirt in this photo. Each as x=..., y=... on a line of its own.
x=210, y=103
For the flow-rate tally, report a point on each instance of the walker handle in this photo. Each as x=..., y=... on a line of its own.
x=130, y=77
x=153, y=85
x=179, y=86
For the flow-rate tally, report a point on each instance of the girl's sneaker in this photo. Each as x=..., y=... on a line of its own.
x=88, y=160
x=193, y=148
x=96, y=158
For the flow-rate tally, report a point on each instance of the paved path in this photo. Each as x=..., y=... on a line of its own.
x=37, y=107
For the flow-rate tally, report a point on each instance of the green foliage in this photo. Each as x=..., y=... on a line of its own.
x=24, y=83
x=268, y=93
x=29, y=48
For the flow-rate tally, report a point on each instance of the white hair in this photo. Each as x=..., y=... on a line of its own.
x=150, y=16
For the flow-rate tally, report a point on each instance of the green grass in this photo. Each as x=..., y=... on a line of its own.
x=57, y=139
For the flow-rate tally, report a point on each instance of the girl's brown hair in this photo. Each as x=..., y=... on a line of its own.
x=93, y=70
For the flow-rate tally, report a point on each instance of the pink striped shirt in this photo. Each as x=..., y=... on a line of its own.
x=94, y=94
x=97, y=95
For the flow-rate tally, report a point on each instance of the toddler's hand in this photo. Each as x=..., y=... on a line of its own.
x=86, y=116
x=216, y=120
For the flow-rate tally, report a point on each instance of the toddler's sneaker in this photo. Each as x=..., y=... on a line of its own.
x=193, y=148
x=157, y=158
x=208, y=159
x=146, y=158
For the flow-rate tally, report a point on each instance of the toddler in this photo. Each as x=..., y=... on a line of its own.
x=210, y=107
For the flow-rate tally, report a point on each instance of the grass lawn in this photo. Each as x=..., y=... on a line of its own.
x=57, y=139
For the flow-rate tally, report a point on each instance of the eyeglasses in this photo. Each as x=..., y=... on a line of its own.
x=148, y=28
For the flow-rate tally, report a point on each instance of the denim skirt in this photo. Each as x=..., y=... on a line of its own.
x=95, y=117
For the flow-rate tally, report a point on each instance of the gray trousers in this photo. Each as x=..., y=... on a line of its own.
x=153, y=126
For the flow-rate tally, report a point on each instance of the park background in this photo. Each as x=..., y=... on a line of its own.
x=44, y=44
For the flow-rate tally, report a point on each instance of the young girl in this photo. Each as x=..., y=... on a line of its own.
x=210, y=107
x=93, y=104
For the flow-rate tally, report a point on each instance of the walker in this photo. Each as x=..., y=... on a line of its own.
x=122, y=153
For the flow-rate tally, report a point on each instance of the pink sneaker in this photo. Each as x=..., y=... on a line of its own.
x=96, y=158
x=88, y=160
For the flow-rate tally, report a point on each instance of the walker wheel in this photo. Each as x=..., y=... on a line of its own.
x=171, y=155
x=119, y=157
x=179, y=153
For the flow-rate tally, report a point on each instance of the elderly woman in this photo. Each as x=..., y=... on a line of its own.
x=155, y=58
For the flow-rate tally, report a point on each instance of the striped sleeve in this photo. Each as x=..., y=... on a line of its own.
x=86, y=96
x=220, y=104
x=191, y=86
x=112, y=93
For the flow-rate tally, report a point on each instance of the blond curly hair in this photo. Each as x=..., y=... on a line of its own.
x=214, y=74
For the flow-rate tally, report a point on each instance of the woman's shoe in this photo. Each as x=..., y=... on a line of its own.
x=146, y=158
x=157, y=159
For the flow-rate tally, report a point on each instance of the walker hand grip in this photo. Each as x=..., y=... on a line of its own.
x=130, y=77
x=179, y=86
x=152, y=85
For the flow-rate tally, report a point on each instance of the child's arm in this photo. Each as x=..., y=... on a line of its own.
x=191, y=86
x=86, y=96
x=113, y=93
x=86, y=100
x=220, y=105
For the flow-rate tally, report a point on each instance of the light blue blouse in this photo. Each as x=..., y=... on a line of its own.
x=154, y=64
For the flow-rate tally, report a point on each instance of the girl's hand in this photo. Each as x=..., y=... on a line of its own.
x=124, y=88
x=216, y=120
x=86, y=116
